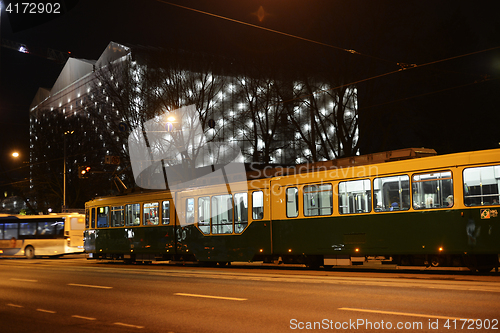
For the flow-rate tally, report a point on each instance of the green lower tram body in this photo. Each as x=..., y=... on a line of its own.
x=445, y=238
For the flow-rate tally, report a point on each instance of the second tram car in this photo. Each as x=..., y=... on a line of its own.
x=437, y=210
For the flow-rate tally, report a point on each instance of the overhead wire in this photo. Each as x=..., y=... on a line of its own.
x=281, y=33
x=402, y=65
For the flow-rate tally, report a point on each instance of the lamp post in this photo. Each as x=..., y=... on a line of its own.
x=64, y=172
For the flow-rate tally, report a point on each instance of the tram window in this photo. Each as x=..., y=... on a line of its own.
x=257, y=205
x=391, y=193
x=87, y=217
x=133, y=214
x=1, y=231
x=117, y=216
x=27, y=229
x=165, y=214
x=318, y=200
x=482, y=186
x=292, y=202
x=190, y=211
x=92, y=218
x=204, y=214
x=240, y=212
x=355, y=196
x=151, y=213
x=11, y=230
x=222, y=214
x=432, y=190
x=102, y=217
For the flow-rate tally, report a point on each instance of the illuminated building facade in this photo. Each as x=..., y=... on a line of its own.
x=82, y=119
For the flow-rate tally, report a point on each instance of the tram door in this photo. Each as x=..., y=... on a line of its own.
x=184, y=217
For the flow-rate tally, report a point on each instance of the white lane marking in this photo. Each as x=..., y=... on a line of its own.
x=23, y=280
x=15, y=305
x=209, y=296
x=46, y=311
x=81, y=317
x=402, y=314
x=128, y=325
x=88, y=286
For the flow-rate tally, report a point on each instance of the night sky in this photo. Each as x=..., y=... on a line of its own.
x=450, y=106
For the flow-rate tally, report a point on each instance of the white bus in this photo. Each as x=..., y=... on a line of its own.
x=41, y=235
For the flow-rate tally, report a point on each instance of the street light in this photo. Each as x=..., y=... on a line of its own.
x=64, y=177
x=15, y=154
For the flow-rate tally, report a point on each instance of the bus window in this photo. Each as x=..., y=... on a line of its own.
x=27, y=229
x=355, y=196
x=432, y=190
x=482, y=186
x=59, y=228
x=222, y=214
x=292, y=202
x=204, y=214
x=11, y=230
x=240, y=212
x=391, y=193
x=151, y=214
x=117, y=216
x=318, y=200
x=46, y=228
x=76, y=224
x=165, y=214
x=133, y=214
x=258, y=205
x=102, y=217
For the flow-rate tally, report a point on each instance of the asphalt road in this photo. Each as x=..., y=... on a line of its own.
x=76, y=295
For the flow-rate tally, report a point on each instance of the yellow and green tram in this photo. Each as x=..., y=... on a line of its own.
x=436, y=210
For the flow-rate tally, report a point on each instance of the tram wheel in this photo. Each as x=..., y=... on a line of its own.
x=29, y=252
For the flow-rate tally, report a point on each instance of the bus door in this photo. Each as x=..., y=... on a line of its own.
x=73, y=229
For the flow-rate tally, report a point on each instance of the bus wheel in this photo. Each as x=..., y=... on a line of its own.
x=29, y=252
